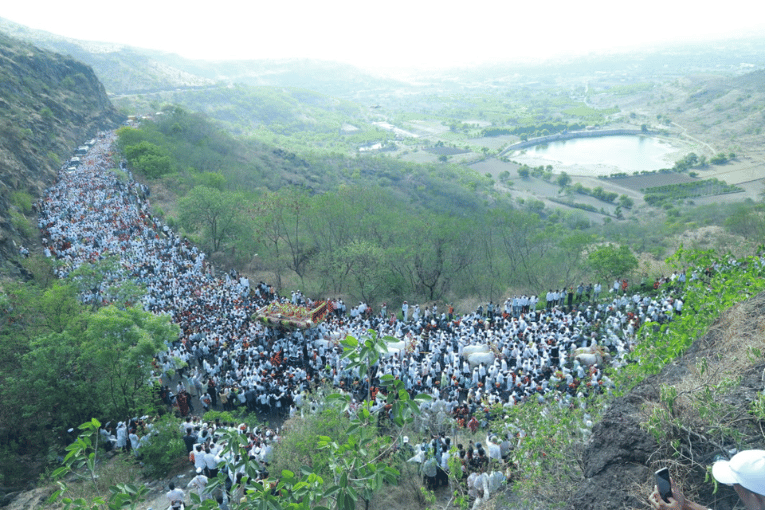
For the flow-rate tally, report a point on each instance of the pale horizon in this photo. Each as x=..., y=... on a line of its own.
x=400, y=35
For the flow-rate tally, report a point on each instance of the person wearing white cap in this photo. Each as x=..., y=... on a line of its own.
x=745, y=472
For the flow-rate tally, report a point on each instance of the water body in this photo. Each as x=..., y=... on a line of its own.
x=601, y=155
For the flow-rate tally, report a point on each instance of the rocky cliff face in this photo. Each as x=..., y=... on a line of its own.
x=621, y=456
x=49, y=104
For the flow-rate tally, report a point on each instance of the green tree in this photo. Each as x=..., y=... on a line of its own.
x=213, y=180
x=749, y=221
x=338, y=219
x=691, y=159
x=431, y=253
x=127, y=136
x=154, y=161
x=528, y=245
x=281, y=221
x=218, y=213
x=110, y=278
x=99, y=364
x=28, y=314
x=563, y=179
x=569, y=263
x=366, y=262
x=719, y=159
x=610, y=262
x=119, y=345
x=626, y=202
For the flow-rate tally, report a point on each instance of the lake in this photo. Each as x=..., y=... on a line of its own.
x=601, y=155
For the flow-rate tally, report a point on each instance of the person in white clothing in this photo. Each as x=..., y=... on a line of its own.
x=199, y=483
x=175, y=496
x=122, y=436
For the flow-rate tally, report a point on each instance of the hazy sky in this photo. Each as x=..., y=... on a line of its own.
x=392, y=33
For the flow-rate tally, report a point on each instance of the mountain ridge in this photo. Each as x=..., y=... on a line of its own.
x=49, y=104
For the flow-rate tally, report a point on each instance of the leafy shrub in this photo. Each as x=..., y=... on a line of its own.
x=222, y=416
x=22, y=200
x=153, y=160
x=298, y=446
x=23, y=225
x=719, y=159
x=707, y=297
x=68, y=83
x=165, y=448
x=46, y=113
x=550, y=441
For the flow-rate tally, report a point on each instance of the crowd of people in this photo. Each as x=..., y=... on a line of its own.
x=224, y=359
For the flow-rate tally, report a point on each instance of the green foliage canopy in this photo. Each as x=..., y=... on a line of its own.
x=62, y=361
x=612, y=261
x=218, y=213
x=150, y=159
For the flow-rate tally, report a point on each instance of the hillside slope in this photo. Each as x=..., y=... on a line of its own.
x=48, y=105
x=120, y=68
x=624, y=451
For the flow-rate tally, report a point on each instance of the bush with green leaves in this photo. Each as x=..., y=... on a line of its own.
x=165, y=448
x=22, y=200
x=22, y=224
x=720, y=282
x=152, y=160
x=298, y=446
x=80, y=465
x=548, y=441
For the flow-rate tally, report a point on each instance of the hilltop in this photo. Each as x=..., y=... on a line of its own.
x=48, y=105
x=128, y=70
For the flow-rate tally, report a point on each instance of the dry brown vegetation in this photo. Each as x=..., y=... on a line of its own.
x=714, y=406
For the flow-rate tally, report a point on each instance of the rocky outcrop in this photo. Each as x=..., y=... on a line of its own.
x=49, y=104
x=619, y=458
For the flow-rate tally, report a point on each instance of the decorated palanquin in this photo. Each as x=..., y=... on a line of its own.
x=289, y=316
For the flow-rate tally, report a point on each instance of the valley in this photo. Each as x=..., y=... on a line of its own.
x=332, y=185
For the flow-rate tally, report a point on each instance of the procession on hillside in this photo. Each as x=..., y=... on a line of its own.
x=241, y=345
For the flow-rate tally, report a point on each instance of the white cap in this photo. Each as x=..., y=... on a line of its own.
x=405, y=439
x=746, y=468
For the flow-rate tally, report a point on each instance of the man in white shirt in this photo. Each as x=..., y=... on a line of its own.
x=175, y=496
x=199, y=482
x=212, y=463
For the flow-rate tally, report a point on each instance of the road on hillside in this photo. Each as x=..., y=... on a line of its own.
x=685, y=134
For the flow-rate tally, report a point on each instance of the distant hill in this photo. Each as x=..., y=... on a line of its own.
x=120, y=68
x=125, y=69
x=284, y=111
x=49, y=104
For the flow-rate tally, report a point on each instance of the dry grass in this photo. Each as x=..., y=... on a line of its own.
x=406, y=495
x=730, y=339
x=711, y=410
x=731, y=347
x=118, y=469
